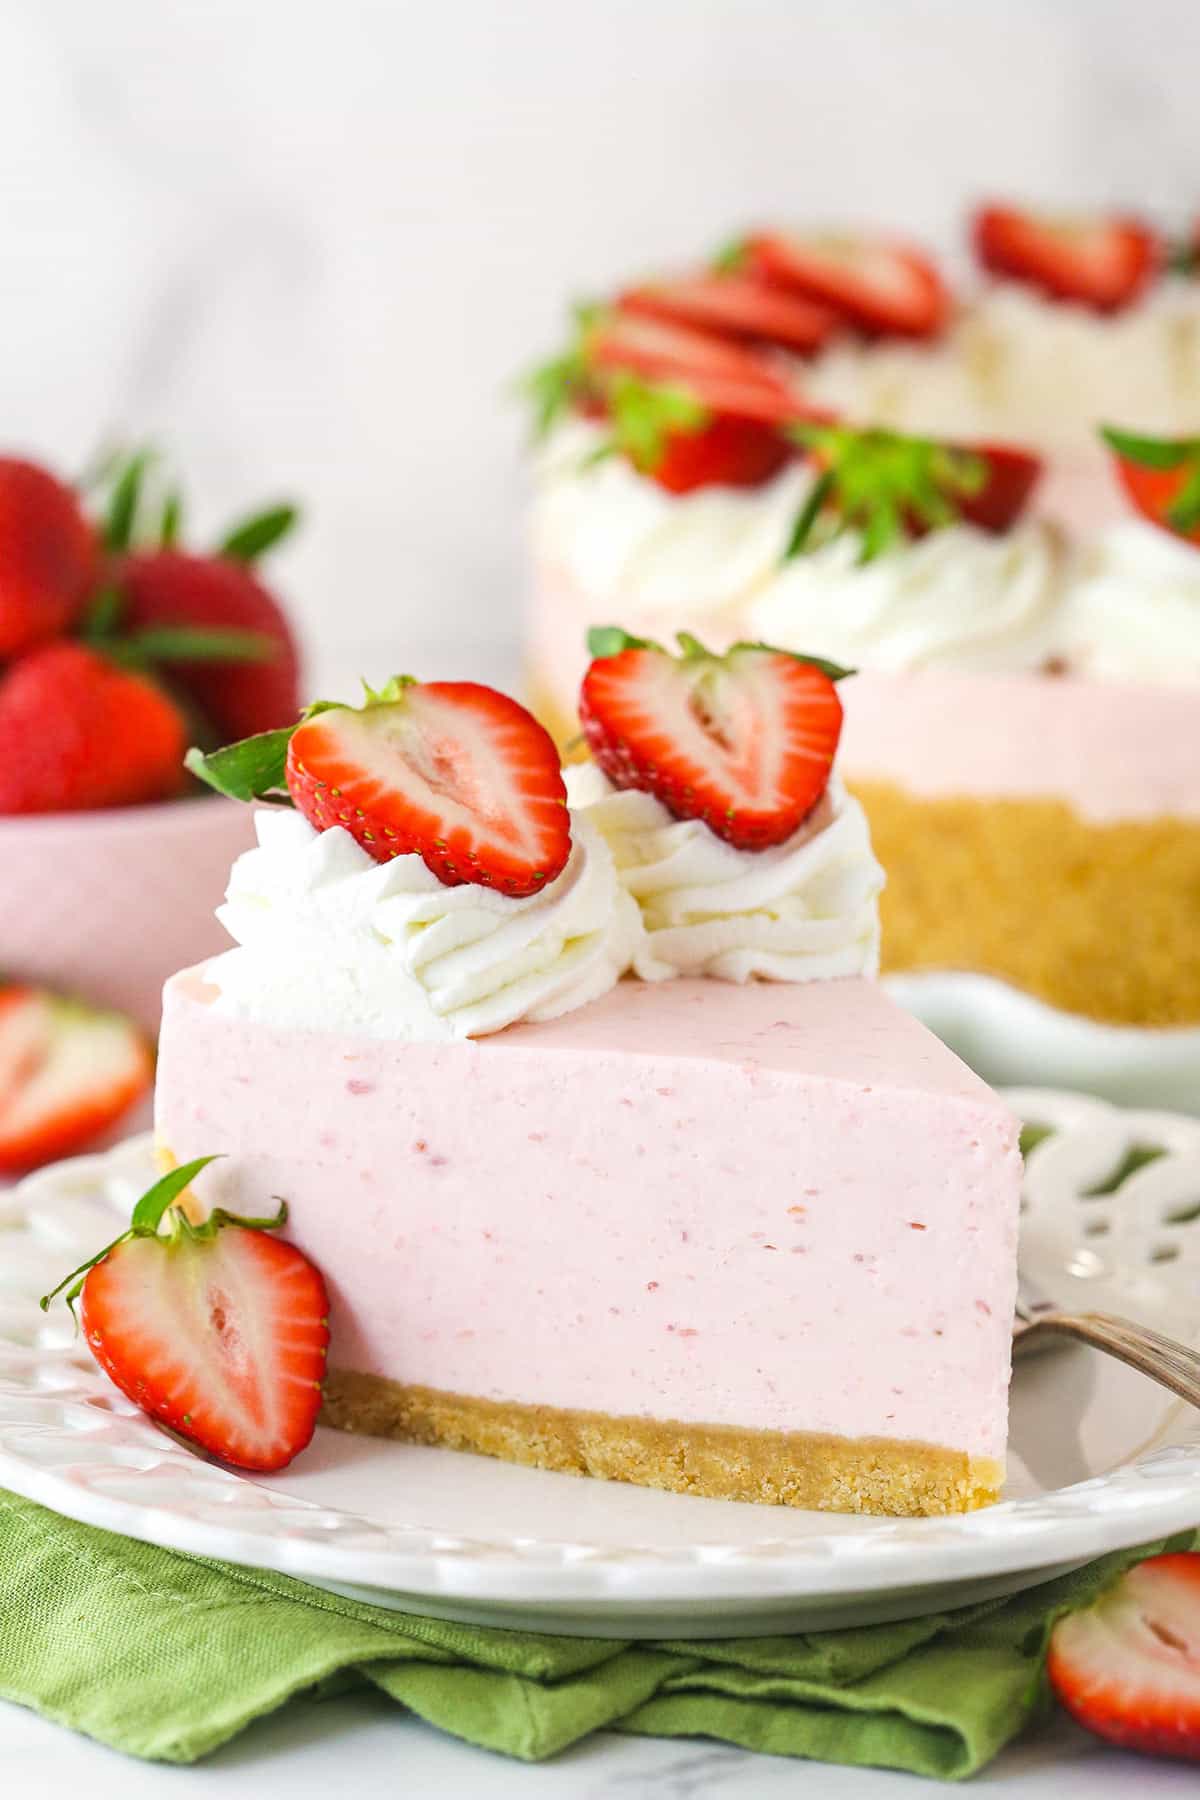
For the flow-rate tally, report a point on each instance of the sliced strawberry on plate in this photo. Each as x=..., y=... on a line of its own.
x=1128, y=1666
x=884, y=288
x=736, y=306
x=217, y=1330
x=743, y=741
x=1161, y=477
x=78, y=732
x=67, y=1074
x=48, y=556
x=889, y=486
x=1103, y=262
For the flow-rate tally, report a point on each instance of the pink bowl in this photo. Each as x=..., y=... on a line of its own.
x=106, y=905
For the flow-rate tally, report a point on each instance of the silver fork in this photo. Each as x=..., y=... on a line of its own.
x=1173, y=1364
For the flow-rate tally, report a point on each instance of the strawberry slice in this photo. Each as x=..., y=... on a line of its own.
x=218, y=1330
x=1103, y=262
x=723, y=376
x=67, y=1074
x=743, y=741
x=453, y=771
x=735, y=306
x=1128, y=1667
x=884, y=288
x=1161, y=477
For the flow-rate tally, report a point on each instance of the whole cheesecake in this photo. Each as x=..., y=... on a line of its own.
x=1024, y=729
x=637, y=1174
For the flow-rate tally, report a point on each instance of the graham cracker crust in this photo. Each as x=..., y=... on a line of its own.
x=723, y=1462
x=1100, y=920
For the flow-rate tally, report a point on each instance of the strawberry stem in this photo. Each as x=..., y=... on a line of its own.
x=145, y=1221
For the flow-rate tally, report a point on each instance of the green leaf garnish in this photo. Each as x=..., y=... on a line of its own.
x=555, y=387
x=835, y=671
x=254, y=769
x=171, y=522
x=147, y=1216
x=610, y=640
x=197, y=643
x=730, y=257
x=885, y=485
x=254, y=536
x=1150, y=452
x=123, y=505
x=644, y=416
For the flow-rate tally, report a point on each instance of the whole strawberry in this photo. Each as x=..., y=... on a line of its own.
x=169, y=590
x=218, y=1330
x=48, y=556
x=203, y=620
x=78, y=732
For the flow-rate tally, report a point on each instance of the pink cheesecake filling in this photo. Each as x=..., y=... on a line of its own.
x=776, y=1207
x=1113, y=751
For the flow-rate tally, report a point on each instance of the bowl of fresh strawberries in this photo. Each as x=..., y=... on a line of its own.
x=120, y=648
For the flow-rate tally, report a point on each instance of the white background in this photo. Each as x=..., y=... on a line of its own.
x=306, y=244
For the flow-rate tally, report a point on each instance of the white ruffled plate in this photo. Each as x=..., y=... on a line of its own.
x=1100, y=1458
x=1011, y=1036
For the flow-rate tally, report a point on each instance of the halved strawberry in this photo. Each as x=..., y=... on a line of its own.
x=1128, y=1667
x=67, y=1074
x=217, y=1330
x=452, y=771
x=744, y=741
x=884, y=288
x=723, y=376
x=1161, y=477
x=736, y=306
x=1103, y=262
x=670, y=436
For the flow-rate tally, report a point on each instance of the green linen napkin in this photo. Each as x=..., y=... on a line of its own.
x=169, y=1656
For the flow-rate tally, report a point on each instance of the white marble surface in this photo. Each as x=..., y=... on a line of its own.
x=308, y=244
x=307, y=1753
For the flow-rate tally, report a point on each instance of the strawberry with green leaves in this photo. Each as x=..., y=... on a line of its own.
x=48, y=556
x=1104, y=261
x=744, y=742
x=68, y=1073
x=1161, y=477
x=217, y=1329
x=888, y=486
x=450, y=771
x=204, y=621
x=687, y=409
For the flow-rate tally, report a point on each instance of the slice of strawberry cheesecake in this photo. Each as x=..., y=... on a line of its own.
x=613, y=1156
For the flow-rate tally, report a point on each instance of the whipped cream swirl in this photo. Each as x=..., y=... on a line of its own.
x=805, y=910
x=960, y=598
x=1132, y=611
x=331, y=940
x=648, y=553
